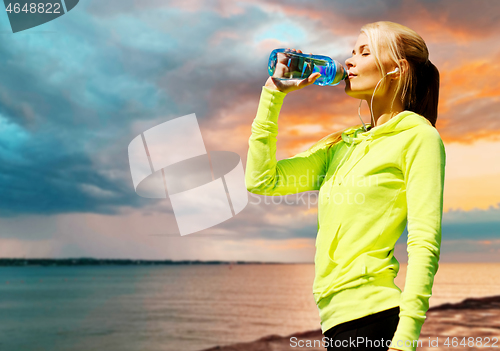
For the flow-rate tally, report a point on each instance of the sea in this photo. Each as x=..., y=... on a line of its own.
x=180, y=307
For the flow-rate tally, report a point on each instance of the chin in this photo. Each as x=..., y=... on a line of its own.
x=348, y=89
x=351, y=93
x=354, y=93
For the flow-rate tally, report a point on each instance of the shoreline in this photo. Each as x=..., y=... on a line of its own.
x=446, y=326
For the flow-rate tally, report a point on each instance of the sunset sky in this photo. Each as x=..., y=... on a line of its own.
x=75, y=91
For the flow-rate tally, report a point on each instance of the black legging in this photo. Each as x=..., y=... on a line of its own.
x=382, y=325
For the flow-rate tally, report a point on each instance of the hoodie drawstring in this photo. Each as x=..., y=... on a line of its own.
x=352, y=141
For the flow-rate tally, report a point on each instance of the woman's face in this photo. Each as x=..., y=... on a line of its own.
x=362, y=65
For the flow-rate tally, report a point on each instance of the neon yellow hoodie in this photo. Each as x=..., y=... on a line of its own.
x=371, y=184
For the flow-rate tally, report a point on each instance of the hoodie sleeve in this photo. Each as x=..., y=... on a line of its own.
x=266, y=176
x=423, y=166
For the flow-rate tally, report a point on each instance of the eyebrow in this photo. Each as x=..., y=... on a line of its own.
x=360, y=48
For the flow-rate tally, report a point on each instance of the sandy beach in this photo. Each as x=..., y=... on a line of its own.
x=472, y=324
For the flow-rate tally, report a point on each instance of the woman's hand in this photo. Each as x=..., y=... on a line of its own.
x=287, y=85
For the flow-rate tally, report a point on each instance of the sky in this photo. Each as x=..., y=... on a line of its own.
x=75, y=91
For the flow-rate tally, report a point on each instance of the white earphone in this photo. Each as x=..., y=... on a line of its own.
x=396, y=70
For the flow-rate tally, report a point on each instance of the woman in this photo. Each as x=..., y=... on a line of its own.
x=372, y=181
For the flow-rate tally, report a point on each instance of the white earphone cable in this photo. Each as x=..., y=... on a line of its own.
x=371, y=103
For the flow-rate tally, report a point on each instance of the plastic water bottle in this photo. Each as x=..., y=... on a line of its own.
x=300, y=66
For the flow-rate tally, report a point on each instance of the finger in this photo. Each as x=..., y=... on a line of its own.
x=312, y=78
x=308, y=81
x=304, y=83
x=281, y=57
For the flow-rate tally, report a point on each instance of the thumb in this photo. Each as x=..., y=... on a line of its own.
x=315, y=76
x=312, y=78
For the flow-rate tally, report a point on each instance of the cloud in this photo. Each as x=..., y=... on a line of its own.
x=489, y=216
x=469, y=193
x=470, y=98
x=72, y=98
x=284, y=233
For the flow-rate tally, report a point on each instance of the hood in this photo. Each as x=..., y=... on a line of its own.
x=352, y=136
x=402, y=121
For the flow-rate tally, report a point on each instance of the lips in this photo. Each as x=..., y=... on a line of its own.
x=351, y=75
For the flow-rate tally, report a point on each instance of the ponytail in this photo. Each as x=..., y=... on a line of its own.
x=423, y=96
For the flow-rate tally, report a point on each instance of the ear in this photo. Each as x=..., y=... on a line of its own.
x=403, y=70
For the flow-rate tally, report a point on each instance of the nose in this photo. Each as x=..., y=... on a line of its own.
x=348, y=63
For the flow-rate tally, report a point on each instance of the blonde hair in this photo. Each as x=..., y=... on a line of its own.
x=418, y=87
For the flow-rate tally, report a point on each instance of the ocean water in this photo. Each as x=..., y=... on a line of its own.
x=172, y=308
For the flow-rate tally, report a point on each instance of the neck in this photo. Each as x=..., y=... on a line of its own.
x=384, y=112
x=383, y=106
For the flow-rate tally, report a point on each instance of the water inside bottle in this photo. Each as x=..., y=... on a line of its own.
x=288, y=65
x=300, y=67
